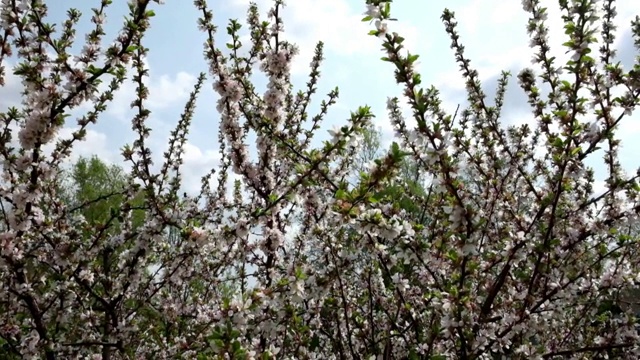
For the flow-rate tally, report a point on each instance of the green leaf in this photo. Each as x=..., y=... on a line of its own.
x=558, y=142
x=416, y=79
x=91, y=69
x=236, y=346
x=395, y=148
x=315, y=342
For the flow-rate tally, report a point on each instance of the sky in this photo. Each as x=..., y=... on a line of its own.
x=492, y=31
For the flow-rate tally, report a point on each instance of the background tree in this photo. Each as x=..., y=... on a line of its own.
x=97, y=192
x=370, y=149
x=408, y=190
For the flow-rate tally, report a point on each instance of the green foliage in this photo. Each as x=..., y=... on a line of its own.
x=98, y=193
x=407, y=191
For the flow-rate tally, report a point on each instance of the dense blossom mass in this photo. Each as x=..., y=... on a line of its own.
x=467, y=239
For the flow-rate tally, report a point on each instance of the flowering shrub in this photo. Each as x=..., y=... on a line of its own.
x=518, y=258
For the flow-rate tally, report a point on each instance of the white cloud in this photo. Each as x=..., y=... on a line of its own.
x=10, y=92
x=494, y=35
x=95, y=143
x=336, y=23
x=479, y=15
x=165, y=91
x=196, y=164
